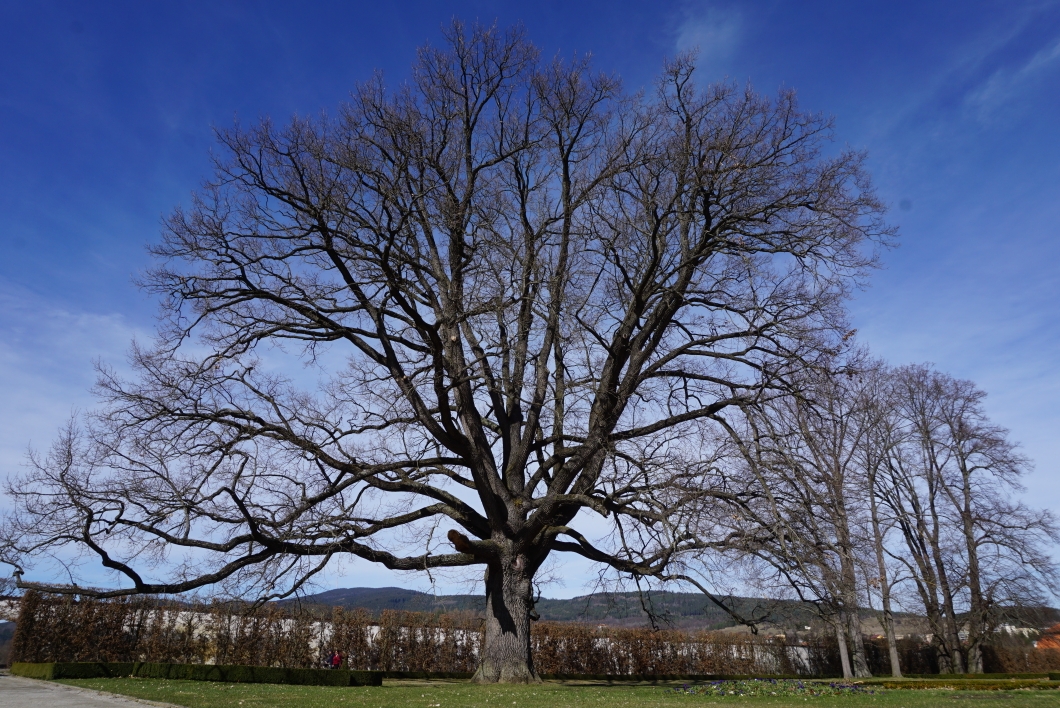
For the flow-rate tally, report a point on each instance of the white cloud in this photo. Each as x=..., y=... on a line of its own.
x=46, y=355
x=1004, y=86
x=712, y=30
x=46, y=372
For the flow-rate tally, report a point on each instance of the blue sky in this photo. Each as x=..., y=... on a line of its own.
x=107, y=110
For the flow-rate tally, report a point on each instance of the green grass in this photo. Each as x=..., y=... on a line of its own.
x=460, y=694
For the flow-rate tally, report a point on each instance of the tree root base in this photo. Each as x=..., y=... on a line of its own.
x=505, y=675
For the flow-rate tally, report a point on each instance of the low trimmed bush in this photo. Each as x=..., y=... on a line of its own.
x=979, y=676
x=966, y=684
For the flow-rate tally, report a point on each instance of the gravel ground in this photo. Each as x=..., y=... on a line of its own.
x=18, y=692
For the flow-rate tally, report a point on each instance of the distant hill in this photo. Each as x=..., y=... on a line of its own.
x=679, y=610
x=684, y=610
x=375, y=600
x=676, y=609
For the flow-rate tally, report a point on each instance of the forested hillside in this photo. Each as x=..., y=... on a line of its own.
x=685, y=610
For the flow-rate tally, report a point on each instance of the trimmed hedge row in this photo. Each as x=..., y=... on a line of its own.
x=315, y=677
x=198, y=672
x=65, y=629
x=342, y=677
x=428, y=675
x=1042, y=675
x=965, y=684
x=667, y=677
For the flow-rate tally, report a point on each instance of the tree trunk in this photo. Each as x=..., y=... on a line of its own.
x=850, y=620
x=975, y=659
x=858, y=659
x=938, y=639
x=887, y=619
x=944, y=656
x=952, y=630
x=977, y=611
x=844, y=657
x=505, y=655
x=892, y=640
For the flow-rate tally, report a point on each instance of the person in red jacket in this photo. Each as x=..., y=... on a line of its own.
x=336, y=659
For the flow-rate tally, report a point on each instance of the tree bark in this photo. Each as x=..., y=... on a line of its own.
x=506, y=655
x=841, y=639
x=977, y=611
x=859, y=661
x=848, y=593
x=888, y=622
x=938, y=639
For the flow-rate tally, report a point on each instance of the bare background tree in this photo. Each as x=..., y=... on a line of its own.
x=972, y=553
x=800, y=456
x=874, y=482
x=522, y=294
x=875, y=449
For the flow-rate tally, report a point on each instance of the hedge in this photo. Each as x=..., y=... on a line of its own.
x=65, y=629
x=198, y=672
x=342, y=677
x=1042, y=675
x=964, y=684
x=148, y=629
x=429, y=675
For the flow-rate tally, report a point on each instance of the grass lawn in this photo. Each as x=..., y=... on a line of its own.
x=460, y=694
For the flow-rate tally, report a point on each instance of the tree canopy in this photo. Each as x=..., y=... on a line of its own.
x=524, y=294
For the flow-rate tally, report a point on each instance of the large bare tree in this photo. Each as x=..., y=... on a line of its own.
x=521, y=292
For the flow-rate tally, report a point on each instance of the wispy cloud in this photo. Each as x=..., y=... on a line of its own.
x=712, y=30
x=956, y=81
x=46, y=355
x=1004, y=86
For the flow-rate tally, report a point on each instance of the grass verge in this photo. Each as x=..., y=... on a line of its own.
x=461, y=694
